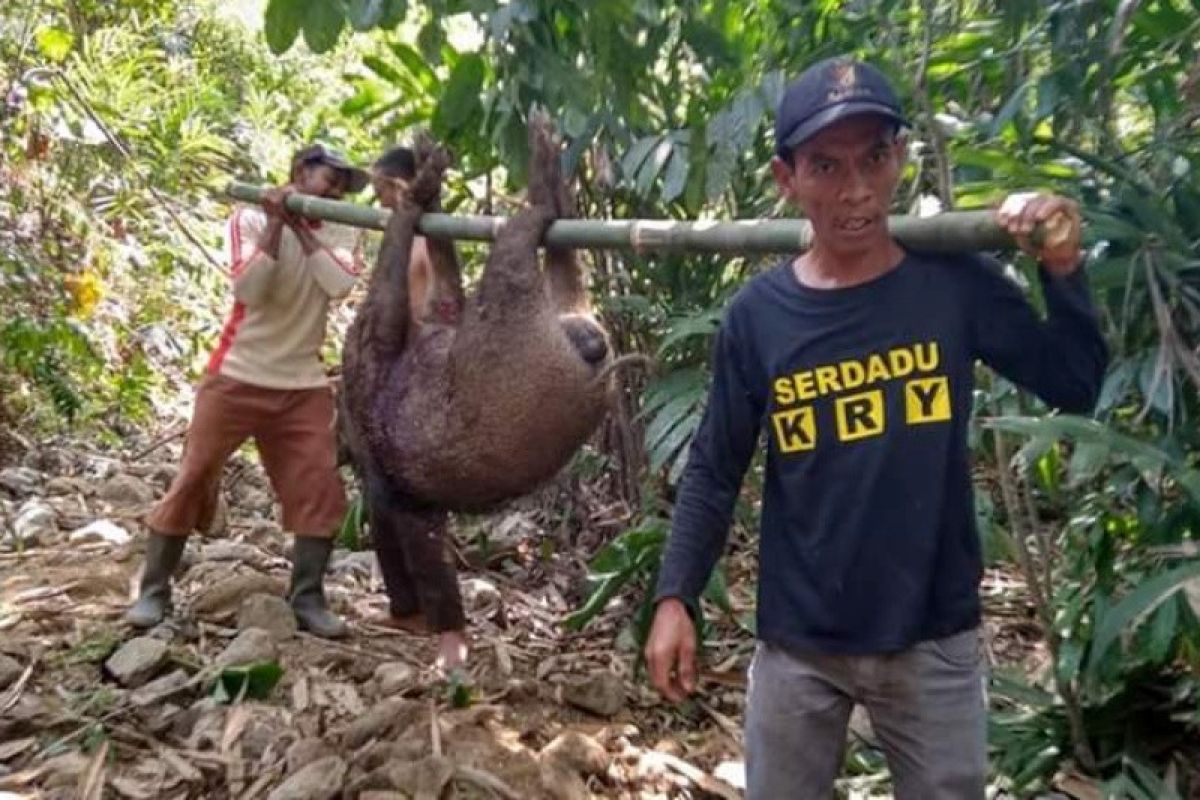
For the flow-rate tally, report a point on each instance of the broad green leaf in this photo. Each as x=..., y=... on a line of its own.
x=677, y=438
x=394, y=12
x=1162, y=630
x=322, y=25
x=1011, y=108
x=415, y=64
x=459, y=691
x=653, y=165
x=704, y=323
x=383, y=70
x=282, y=23
x=636, y=155
x=460, y=96
x=668, y=417
x=677, y=173
x=54, y=43
x=1136, y=606
x=365, y=14
x=1141, y=454
x=253, y=681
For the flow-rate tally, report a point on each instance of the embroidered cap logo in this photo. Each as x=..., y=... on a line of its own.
x=845, y=83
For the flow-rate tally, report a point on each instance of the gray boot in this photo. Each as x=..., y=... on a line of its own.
x=309, y=559
x=154, y=599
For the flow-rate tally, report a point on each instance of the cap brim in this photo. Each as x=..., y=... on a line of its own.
x=356, y=180
x=826, y=117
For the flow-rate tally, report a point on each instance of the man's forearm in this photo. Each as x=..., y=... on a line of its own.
x=699, y=532
x=272, y=237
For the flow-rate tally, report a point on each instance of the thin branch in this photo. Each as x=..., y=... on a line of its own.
x=941, y=158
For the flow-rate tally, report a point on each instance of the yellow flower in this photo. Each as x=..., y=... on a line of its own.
x=85, y=289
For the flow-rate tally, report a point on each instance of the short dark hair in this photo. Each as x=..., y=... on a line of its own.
x=397, y=162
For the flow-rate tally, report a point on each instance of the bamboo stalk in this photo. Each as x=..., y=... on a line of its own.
x=953, y=231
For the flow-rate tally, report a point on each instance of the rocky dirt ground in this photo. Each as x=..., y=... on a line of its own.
x=91, y=709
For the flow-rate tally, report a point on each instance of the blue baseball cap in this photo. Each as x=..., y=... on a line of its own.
x=829, y=91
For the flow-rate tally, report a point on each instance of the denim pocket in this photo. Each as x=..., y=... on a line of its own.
x=959, y=649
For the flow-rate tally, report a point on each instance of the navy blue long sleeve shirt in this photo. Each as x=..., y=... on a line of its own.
x=868, y=540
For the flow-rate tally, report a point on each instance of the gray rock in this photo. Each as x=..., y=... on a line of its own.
x=480, y=596
x=425, y=778
x=65, y=484
x=390, y=716
x=361, y=564
x=577, y=752
x=270, y=613
x=602, y=693
x=159, y=688
x=320, y=780
x=126, y=490
x=231, y=551
x=250, y=646
x=10, y=670
x=136, y=661
x=560, y=783
x=20, y=481
x=306, y=751
x=394, y=677
x=35, y=522
x=102, y=530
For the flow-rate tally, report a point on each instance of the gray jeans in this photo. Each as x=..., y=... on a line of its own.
x=926, y=705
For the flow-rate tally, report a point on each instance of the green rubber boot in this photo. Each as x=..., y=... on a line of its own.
x=310, y=559
x=154, y=598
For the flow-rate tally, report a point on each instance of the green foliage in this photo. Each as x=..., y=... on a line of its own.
x=250, y=681
x=349, y=535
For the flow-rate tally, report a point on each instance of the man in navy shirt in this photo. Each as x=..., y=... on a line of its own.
x=856, y=360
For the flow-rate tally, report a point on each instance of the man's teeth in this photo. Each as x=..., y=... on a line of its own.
x=855, y=224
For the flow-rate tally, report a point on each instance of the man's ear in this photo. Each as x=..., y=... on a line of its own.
x=783, y=172
x=900, y=149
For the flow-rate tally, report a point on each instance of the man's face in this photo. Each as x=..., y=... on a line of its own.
x=321, y=180
x=843, y=180
x=386, y=189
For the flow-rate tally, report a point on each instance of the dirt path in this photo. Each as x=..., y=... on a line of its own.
x=91, y=709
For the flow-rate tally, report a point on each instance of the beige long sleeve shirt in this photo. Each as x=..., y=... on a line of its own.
x=274, y=333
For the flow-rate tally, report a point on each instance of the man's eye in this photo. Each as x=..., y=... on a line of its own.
x=822, y=167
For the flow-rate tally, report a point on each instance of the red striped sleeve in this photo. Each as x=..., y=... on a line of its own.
x=350, y=269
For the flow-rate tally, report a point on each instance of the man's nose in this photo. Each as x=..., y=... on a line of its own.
x=856, y=189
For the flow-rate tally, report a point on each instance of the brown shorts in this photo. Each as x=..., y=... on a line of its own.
x=293, y=431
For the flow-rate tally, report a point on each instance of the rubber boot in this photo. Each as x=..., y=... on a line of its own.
x=154, y=598
x=310, y=558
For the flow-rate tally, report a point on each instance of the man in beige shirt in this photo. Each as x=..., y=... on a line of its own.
x=265, y=380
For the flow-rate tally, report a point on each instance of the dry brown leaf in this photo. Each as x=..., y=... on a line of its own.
x=435, y=730
x=504, y=661
x=546, y=667
x=91, y=782
x=181, y=767
x=697, y=776
x=19, y=780
x=1078, y=786
x=15, y=748
x=301, y=698
x=265, y=778
x=345, y=697
x=41, y=593
x=1192, y=590
x=235, y=725
x=485, y=780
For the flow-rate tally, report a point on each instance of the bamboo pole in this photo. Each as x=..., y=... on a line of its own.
x=952, y=231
